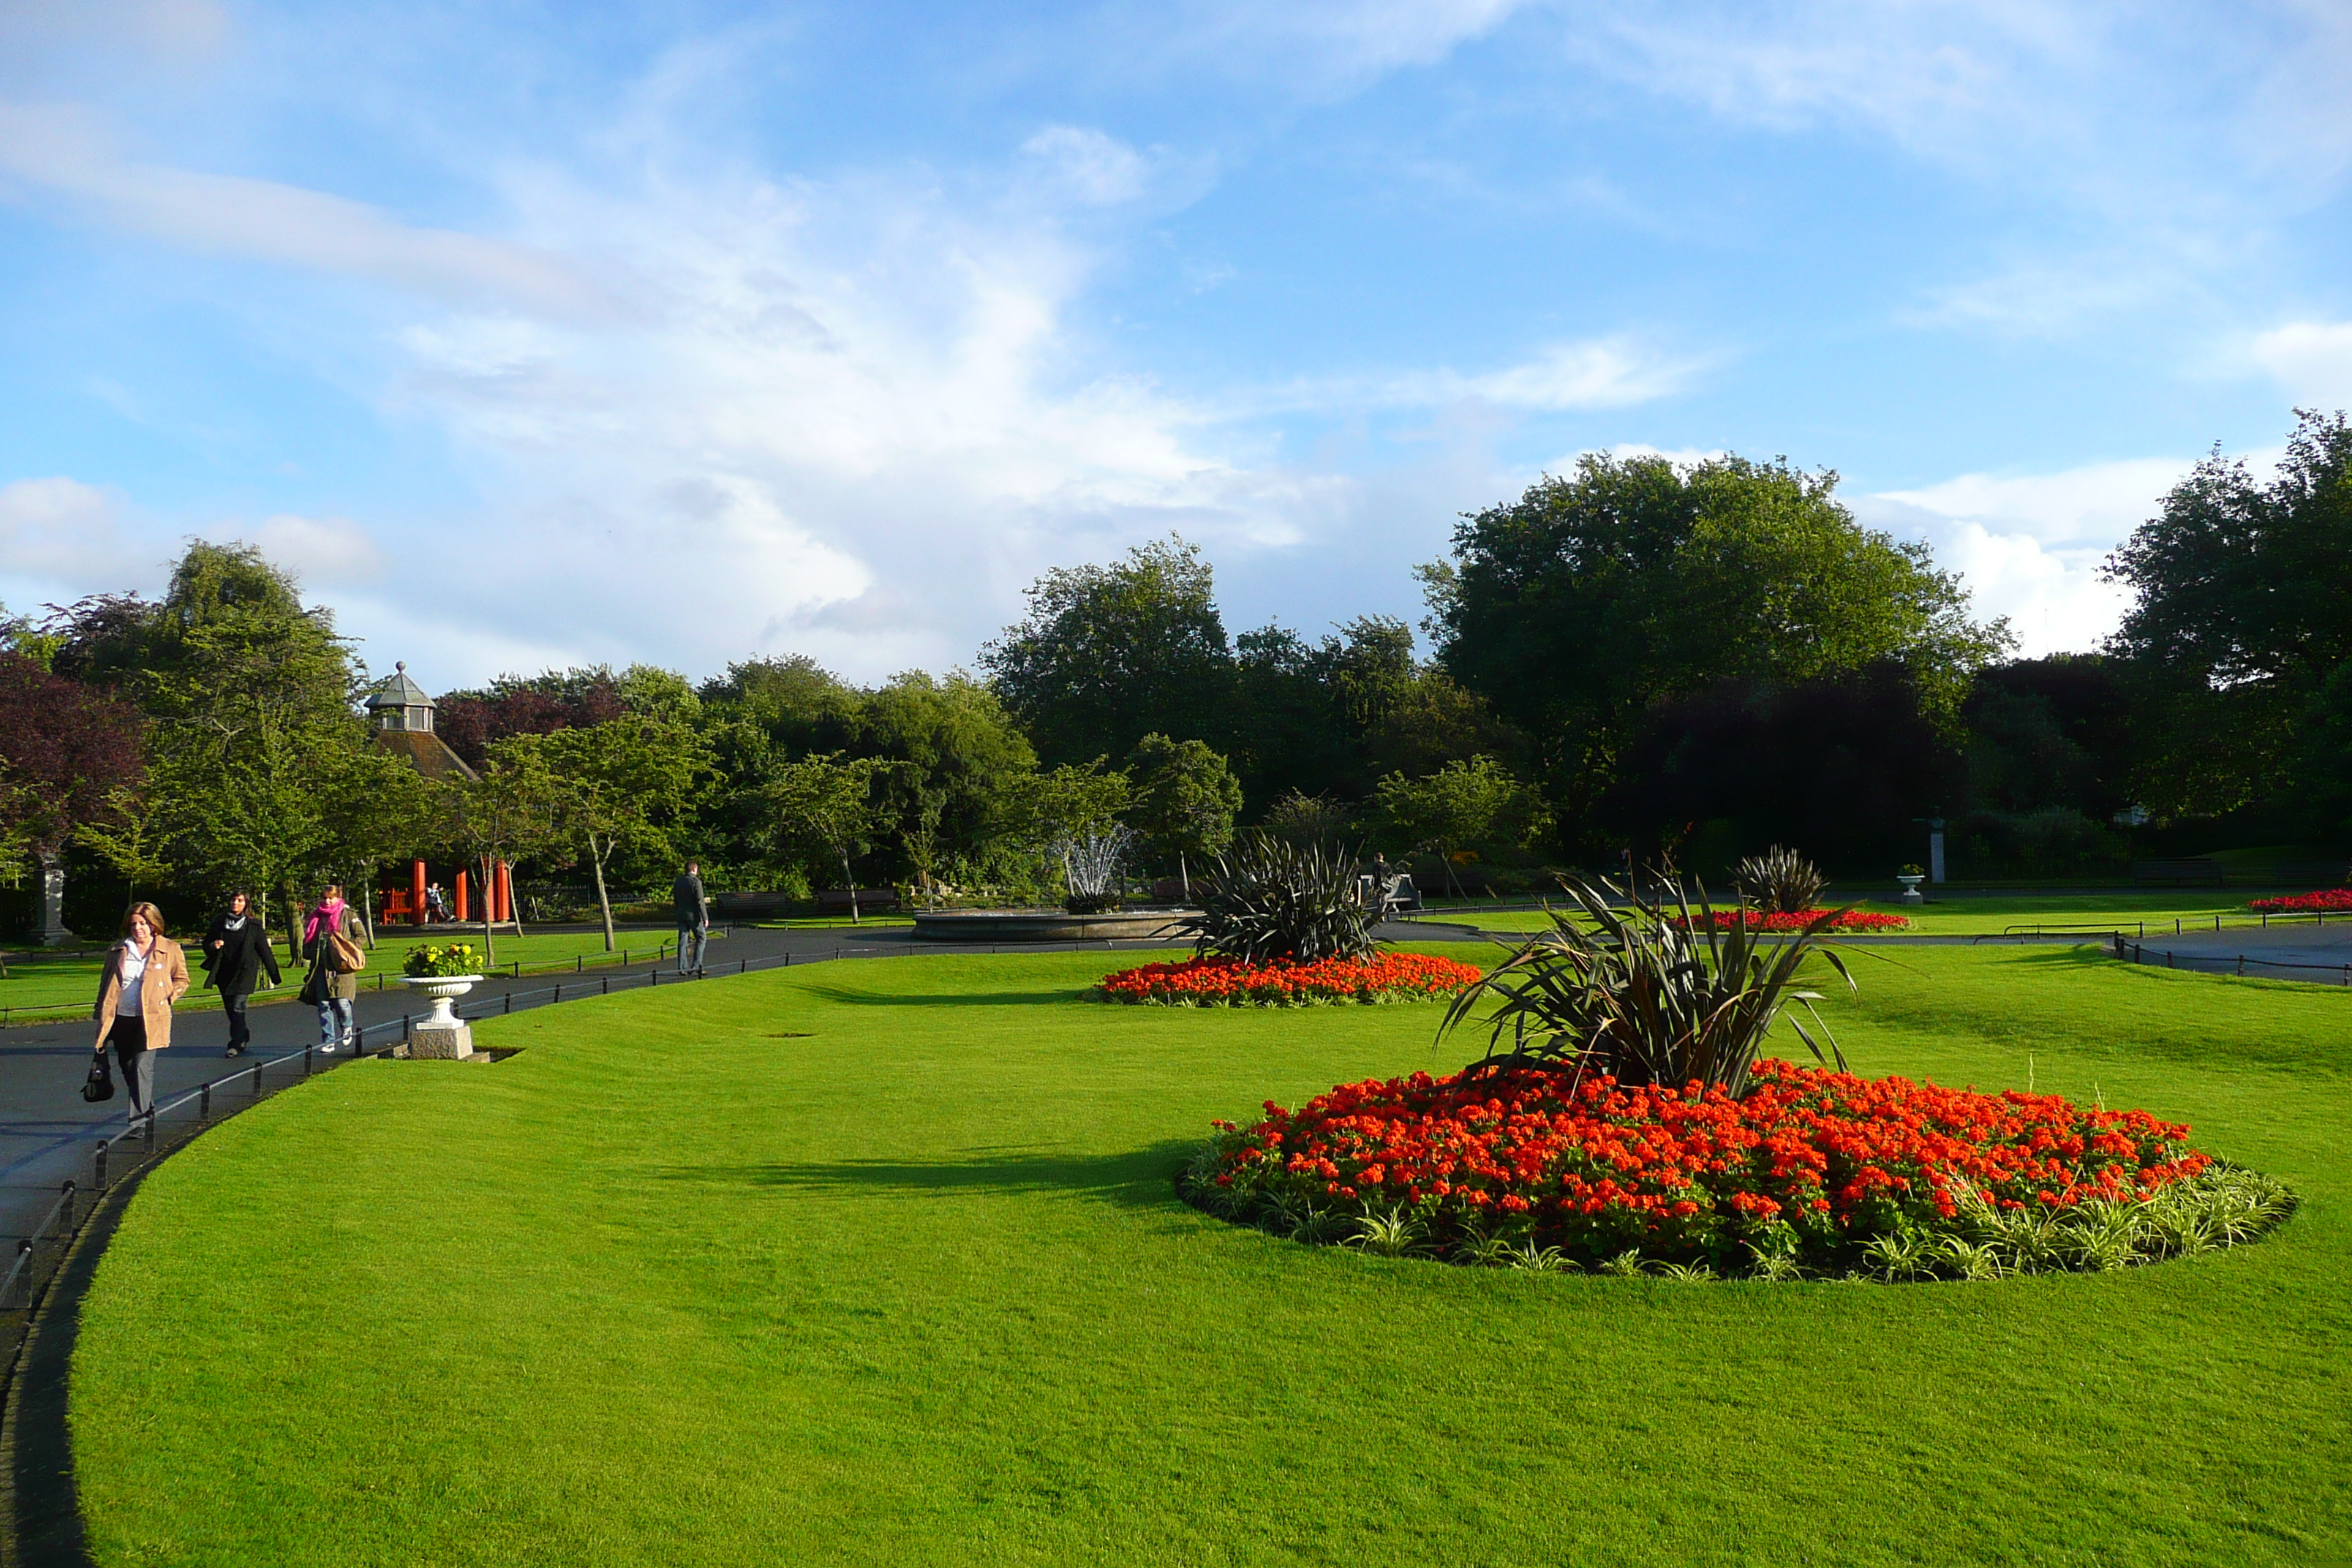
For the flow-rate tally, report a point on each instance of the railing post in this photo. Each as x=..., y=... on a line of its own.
x=205, y=1105
x=98, y=1182
x=256, y=1080
x=306, y=1060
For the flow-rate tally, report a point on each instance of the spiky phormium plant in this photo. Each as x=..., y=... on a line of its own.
x=1621, y=986
x=1268, y=901
x=1781, y=880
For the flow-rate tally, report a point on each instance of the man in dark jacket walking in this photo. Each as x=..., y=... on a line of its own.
x=237, y=954
x=693, y=918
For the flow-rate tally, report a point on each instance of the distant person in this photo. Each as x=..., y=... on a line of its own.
x=334, y=981
x=693, y=918
x=143, y=975
x=237, y=952
x=436, y=904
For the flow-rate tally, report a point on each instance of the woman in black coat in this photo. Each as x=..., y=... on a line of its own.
x=237, y=954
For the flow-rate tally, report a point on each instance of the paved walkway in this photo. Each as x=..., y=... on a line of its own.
x=2319, y=953
x=48, y=1132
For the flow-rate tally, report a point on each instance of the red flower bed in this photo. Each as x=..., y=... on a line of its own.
x=1781, y=920
x=1596, y=1168
x=1225, y=982
x=2329, y=901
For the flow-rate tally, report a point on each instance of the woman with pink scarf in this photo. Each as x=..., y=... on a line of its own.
x=333, y=988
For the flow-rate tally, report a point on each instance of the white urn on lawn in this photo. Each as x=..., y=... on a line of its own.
x=1911, y=887
x=441, y=1034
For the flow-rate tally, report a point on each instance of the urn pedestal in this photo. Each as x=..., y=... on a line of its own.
x=442, y=1035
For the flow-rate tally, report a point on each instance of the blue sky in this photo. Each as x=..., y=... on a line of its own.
x=540, y=334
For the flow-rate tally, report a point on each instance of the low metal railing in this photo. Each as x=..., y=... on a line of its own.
x=2228, y=963
x=2182, y=925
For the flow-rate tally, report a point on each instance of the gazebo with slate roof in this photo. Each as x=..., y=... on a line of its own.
x=400, y=715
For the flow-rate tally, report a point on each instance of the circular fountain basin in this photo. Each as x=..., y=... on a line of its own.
x=1046, y=925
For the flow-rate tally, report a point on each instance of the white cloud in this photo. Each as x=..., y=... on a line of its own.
x=326, y=550
x=1319, y=46
x=61, y=532
x=2312, y=360
x=1096, y=168
x=2030, y=546
x=68, y=153
x=1615, y=371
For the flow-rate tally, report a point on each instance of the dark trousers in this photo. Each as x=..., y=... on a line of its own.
x=129, y=1038
x=690, y=942
x=240, y=1033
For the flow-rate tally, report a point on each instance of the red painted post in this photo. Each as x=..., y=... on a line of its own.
x=417, y=893
x=504, y=904
x=459, y=891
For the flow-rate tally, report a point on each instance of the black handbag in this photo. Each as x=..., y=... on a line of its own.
x=100, y=1084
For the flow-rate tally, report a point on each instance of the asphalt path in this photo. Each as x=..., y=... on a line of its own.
x=48, y=1133
x=2288, y=947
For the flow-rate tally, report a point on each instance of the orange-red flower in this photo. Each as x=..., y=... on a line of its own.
x=1601, y=1166
x=1217, y=981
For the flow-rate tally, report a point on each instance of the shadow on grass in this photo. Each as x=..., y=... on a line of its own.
x=1144, y=1178
x=847, y=996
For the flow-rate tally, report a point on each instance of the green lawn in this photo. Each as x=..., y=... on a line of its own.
x=878, y=1263
x=1989, y=914
x=71, y=980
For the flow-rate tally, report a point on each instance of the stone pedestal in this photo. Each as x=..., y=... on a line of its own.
x=53, y=904
x=452, y=1042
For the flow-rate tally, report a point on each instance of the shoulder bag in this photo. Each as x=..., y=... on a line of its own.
x=100, y=1084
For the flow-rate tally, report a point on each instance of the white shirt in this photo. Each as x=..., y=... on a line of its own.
x=132, y=971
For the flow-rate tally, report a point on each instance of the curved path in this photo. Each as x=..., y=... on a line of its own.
x=48, y=1133
x=2318, y=954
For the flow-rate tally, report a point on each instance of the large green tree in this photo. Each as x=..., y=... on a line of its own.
x=515, y=809
x=629, y=785
x=826, y=805
x=254, y=738
x=1108, y=654
x=1634, y=580
x=1460, y=805
x=1185, y=799
x=2242, y=617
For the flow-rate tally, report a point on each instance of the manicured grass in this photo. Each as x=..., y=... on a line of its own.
x=878, y=1263
x=1980, y=915
x=71, y=981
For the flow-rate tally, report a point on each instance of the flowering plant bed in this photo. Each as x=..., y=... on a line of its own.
x=1799, y=919
x=430, y=960
x=1227, y=982
x=1812, y=1172
x=2328, y=901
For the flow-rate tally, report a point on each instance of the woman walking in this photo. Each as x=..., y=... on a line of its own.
x=334, y=981
x=144, y=974
x=237, y=952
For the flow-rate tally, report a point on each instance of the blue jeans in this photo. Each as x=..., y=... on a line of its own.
x=691, y=940
x=334, y=1021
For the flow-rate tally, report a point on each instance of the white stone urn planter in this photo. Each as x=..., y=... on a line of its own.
x=1911, y=889
x=441, y=1034
x=445, y=989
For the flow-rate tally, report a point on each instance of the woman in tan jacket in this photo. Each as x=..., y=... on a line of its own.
x=144, y=974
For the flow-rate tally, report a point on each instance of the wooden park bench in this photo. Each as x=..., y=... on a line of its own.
x=870, y=900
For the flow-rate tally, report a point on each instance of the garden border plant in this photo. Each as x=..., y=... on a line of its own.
x=1623, y=1119
x=1281, y=925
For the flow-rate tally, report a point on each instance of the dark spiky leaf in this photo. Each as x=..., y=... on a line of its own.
x=1268, y=899
x=1623, y=987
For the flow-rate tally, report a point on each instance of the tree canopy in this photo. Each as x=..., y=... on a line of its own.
x=1108, y=654
x=1635, y=581
x=2243, y=617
